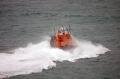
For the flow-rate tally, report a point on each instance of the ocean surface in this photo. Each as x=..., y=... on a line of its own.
x=26, y=27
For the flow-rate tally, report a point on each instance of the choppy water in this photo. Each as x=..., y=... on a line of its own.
x=25, y=27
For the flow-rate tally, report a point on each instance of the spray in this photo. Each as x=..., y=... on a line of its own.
x=36, y=57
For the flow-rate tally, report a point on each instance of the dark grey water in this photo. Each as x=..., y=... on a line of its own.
x=28, y=21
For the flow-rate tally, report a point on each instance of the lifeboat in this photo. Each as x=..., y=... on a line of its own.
x=62, y=39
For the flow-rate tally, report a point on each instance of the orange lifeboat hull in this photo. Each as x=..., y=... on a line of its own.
x=61, y=40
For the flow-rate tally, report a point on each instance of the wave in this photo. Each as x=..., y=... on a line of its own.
x=36, y=57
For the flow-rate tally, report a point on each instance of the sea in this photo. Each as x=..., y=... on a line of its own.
x=26, y=27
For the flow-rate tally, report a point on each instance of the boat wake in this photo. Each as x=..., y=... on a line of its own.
x=36, y=57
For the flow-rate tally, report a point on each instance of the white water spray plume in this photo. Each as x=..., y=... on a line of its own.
x=36, y=57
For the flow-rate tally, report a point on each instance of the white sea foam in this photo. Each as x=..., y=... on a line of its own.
x=36, y=57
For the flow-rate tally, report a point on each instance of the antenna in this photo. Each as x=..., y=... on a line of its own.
x=62, y=22
x=54, y=31
x=69, y=28
x=53, y=22
x=54, y=27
